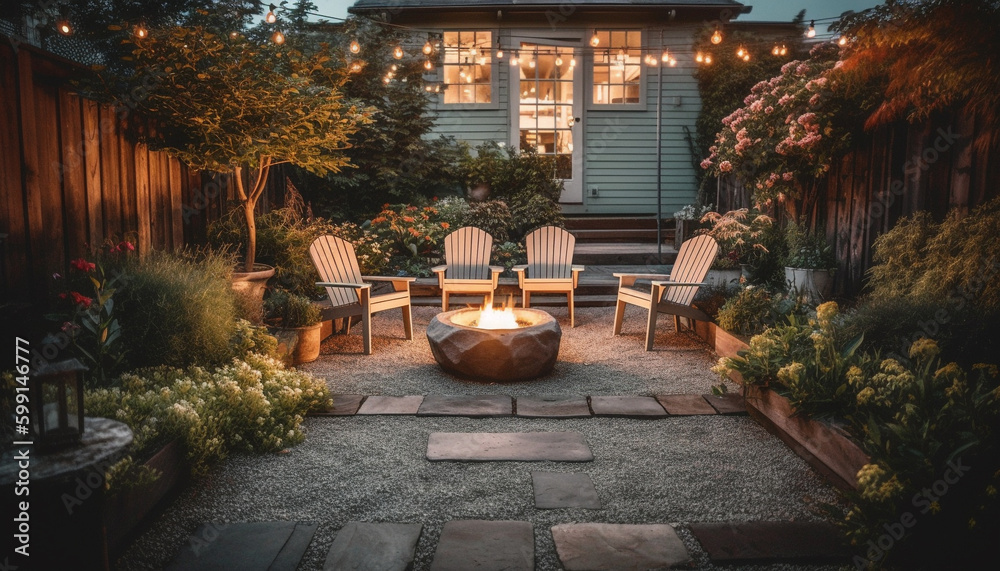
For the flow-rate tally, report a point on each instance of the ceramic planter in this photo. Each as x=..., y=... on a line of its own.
x=252, y=284
x=723, y=278
x=814, y=285
x=298, y=345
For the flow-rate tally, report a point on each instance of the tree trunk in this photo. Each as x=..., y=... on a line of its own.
x=249, y=201
x=251, y=251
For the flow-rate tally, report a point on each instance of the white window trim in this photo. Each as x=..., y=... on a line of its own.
x=588, y=78
x=494, y=75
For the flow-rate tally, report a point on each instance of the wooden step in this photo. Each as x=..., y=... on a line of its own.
x=613, y=222
x=622, y=235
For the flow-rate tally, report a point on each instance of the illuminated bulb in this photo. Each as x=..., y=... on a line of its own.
x=842, y=41
x=784, y=50
x=717, y=37
x=393, y=67
x=708, y=59
x=673, y=62
x=461, y=73
x=270, y=18
x=64, y=27
x=559, y=61
x=572, y=62
x=397, y=52
x=740, y=52
x=140, y=31
x=355, y=47
x=428, y=88
x=499, y=53
x=699, y=58
x=621, y=54
x=665, y=57
x=776, y=50
x=811, y=32
x=468, y=78
x=386, y=80
x=513, y=58
x=473, y=52
x=355, y=67
x=428, y=48
x=428, y=65
x=595, y=41
x=531, y=64
x=437, y=89
x=234, y=35
x=746, y=57
x=277, y=37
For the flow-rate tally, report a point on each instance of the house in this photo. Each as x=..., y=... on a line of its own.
x=582, y=81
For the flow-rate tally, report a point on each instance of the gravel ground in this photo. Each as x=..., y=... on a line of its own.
x=676, y=470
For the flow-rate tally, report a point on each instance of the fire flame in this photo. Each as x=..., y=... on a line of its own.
x=490, y=318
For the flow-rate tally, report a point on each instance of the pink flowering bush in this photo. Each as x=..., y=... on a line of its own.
x=789, y=130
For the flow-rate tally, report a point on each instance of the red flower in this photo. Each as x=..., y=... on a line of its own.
x=80, y=299
x=82, y=265
x=126, y=245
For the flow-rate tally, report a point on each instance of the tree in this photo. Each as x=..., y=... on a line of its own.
x=227, y=104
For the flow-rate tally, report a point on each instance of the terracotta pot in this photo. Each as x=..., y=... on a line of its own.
x=252, y=284
x=298, y=345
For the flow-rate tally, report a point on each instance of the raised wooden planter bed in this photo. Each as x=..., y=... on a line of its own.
x=826, y=448
x=126, y=510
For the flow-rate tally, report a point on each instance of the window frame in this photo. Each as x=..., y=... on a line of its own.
x=591, y=59
x=494, y=83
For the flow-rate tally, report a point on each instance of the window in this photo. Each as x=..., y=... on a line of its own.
x=468, y=67
x=617, y=66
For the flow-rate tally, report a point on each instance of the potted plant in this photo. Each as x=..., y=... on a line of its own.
x=294, y=320
x=225, y=103
x=740, y=235
x=809, y=263
x=685, y=222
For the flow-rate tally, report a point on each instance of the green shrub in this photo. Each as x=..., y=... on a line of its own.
x=252, y=404
x=508, y=255
x=249, y=338
x=493, y=216
x=409, y=230
x=748, y=312
x=176, y=309
x=531, y=211
x=807, y=250
x=510, y=172
x=452, y=211
x=285, y=309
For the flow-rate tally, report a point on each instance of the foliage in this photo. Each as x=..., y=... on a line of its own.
x=739, y=239
x=529, y=212
x=252, y=404
x=693, y=212
x=372, y=252
x=409, y=229
x=508, y=255
x=393, y=158
x=176, y=309
x=285, y=309
x=790, y=129
x=926, y=68
x=807, y=250
x=226, y=103
x=753, y=309
x=491, y=216
x=452, y=210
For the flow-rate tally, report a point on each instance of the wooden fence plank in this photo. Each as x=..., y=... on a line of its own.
x=73, y=174
x=176, y=228
x=961, y=164
x=92, y=171
x=14, y=252
x=143, y=230
x=110, y=176
x=126, y=170
x=51, y=251
x=31, y=168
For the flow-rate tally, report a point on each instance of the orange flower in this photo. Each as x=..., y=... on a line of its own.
x=408, y=219
x=444, y=225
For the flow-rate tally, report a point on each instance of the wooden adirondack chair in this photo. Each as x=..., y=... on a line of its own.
x=467, y=266
x=337, y=264
x=550, y=266
x=672, y=293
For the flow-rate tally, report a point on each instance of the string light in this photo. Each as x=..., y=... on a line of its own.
x=776, y=50
x=708, y=59
x=499, y=50
x=559, y=61
x=234, y=34
x=740, y=52
x=277, y=37
x=428, y=48
x=355, y=47
x=746, y=56
x=534, y=57
x=393, y=67
x=428, y=88
x=64, y=27
x=355, y=67
x=513, y=58
x=665, y=58
x=572, y=62
x=386, y=80
x=784, y=50
x=595, y=41
x=140, y=31
x=270, y=18
x=397, y=52
x=699, y=57
x=842, y=41
x=428, y=65
x=673, y=62
x=717, y=37
x=811, y=32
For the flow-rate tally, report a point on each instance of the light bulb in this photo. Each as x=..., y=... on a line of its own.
x=559, y=61
x=397, y=52
x=355, y=67
x=531, y=64
x=437, y=89
x=784, y=50
x=746, y=57
x=776, y=50
x=270, y=18
x=64, y=27
x=234, y=35
x=428, y=88
x=708, y=59
x=355, y=47
x=665, y=57
x=513, y=58
x=717, y=37
x=499, y=53
x=595, y=41
x=699, y=57
x=386, y=80
x=842, y=41
x=621, y=54
x=811, y=32
x=572, y=62
x=461, y=73
x=673, y=62
x=393, y=67
x=140, y=31
x=277, y=37
x=428, y=48
x=740, y=52
x=428, y=65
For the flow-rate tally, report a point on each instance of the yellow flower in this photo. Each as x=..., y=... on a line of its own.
x=972, y=522
x=935, y=507
x=991, y=491
x=865, y=395
x=791, y=374
x=988, y=368
x=855, y=376
x=924, y=349
x=827, y=311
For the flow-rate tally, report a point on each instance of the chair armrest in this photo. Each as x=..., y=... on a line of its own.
x=576, y=275
x=680, y=284
x=520, y=268
x=388, y=278
x=642, y=276
x=576, y=268
x=439, y=269
x=347, y=285
x=496, y=269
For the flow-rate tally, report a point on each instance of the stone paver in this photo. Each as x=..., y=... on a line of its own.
x=466, y=405
x=361, y=546
x=478, y=545
x=685, y=405
x=600, y=546
x=555, y=490
x=628, y=407
x=729, y=403
x=343, y=405
x=391, y=405
x=254, y=546
x=508, y=446
x=553, y=407
x=769, y=541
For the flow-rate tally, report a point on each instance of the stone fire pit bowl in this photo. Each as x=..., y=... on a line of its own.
x=495, y=354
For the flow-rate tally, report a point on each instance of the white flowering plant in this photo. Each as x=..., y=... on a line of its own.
x=692, y=212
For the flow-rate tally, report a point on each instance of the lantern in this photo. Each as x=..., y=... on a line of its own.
x=56, y=391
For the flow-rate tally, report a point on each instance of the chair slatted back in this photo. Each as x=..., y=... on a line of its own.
x=335, y=261
x=550, y=253
x=467, y=254
x=693, y=261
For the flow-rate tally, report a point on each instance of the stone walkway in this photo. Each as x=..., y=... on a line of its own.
x=486, y=545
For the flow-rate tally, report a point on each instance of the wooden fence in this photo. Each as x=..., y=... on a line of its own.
x=895, y=171
x=72, y=177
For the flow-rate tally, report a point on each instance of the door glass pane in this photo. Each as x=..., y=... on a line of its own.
x=546, y=103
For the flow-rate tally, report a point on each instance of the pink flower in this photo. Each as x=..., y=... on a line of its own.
x=82, y=265
x=802, y=69
x=707, y=163
x=814, y=99
x=80, y=299
x=725, y=166
x=126, y=245
x=787, y=177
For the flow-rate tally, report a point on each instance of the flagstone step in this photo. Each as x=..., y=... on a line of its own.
x=508, y=447
x=590, y=546
x=252, y=546
x=480, y=545
x=381, y=546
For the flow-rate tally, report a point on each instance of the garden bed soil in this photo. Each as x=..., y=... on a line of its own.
x=125, y=511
